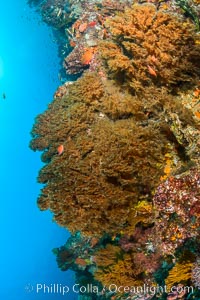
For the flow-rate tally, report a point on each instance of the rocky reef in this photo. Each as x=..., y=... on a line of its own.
x=120, y=145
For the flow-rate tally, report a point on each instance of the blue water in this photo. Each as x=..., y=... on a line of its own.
x=28, y=76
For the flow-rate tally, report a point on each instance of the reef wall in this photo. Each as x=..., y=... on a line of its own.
x=120, y=142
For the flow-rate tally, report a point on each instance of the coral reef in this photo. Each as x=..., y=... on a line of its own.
x=180, y=273
x=177, y=203
x=148, y=47
x=120, y=145
x=76, y=253
x=87, y=142
x=79, y=59
x=134, y=267
x=191, y=10
x=114, y=155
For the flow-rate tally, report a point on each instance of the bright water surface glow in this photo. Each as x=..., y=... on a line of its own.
x=28, y=76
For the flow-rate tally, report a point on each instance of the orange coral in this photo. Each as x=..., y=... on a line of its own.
x=148, y=47
x=180, y=273
x=124, y=269
x=121, y=274
x=88, y=137
x=196, y=93
x=82, y=27
x=168, y=166
x=80, y=261
x=87, y=56
x=113, y=158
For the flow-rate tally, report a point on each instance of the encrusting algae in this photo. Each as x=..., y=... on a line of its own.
x=121, y=152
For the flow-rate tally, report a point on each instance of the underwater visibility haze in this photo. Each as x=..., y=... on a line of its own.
x=120, y=146
x=29, y=68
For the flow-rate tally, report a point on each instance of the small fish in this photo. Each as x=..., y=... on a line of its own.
x=60, y=149
x=151, y=71
x=4, y=96
x=196, y=93
x=197, y=114
x=92, y=23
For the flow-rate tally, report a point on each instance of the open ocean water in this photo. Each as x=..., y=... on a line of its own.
x=29, y=69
